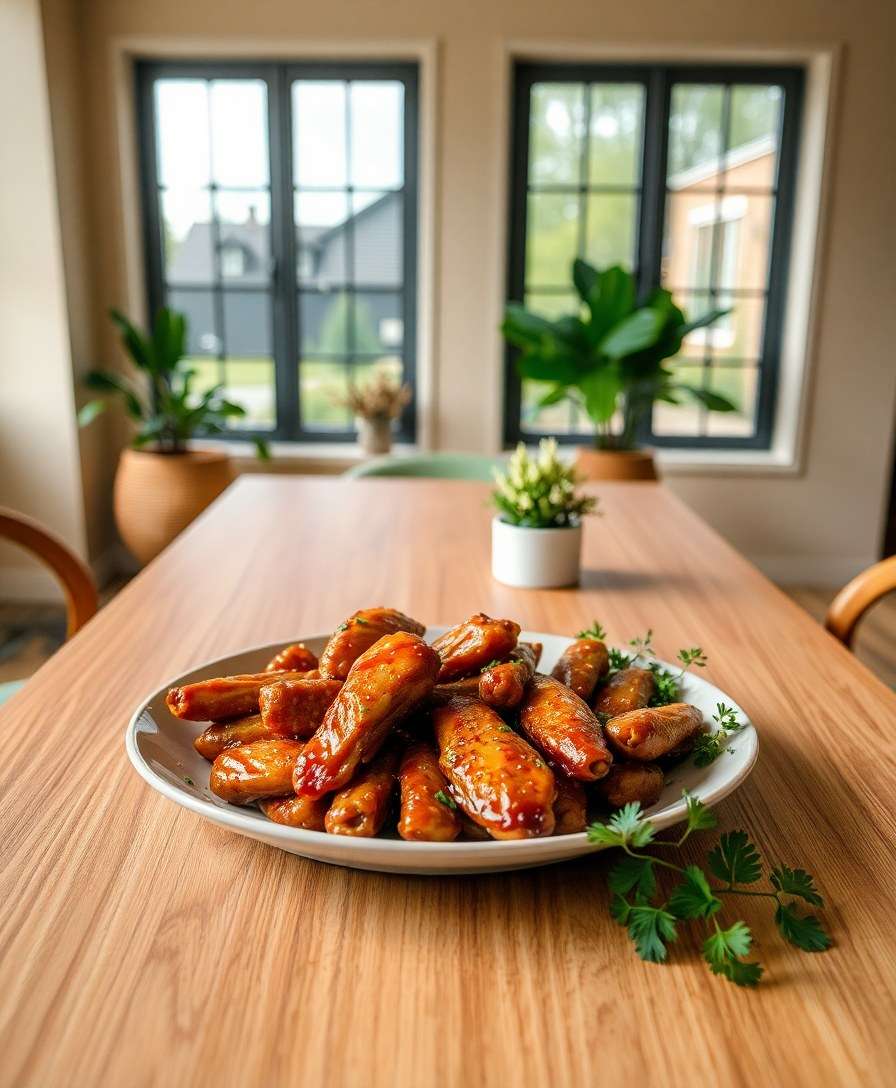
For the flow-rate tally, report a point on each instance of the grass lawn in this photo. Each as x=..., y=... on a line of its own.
x=250, y=382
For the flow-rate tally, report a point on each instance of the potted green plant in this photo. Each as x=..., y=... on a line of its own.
x=608, y=358
x=160, y=484
x=537, y=533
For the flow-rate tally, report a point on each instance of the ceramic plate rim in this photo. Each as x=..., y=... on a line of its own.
x=234, y=817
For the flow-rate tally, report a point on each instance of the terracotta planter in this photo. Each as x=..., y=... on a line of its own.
x=374, y=435
x=157, y=495
x=615, y=464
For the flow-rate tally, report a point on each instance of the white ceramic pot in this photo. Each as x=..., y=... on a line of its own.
x=374, y=435
x=535, y=558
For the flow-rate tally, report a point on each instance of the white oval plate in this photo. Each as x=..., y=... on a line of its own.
x=161, y=748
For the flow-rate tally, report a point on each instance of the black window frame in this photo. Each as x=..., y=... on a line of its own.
x=284, y=288
x=658, y=81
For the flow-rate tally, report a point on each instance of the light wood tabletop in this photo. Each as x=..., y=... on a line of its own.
x=140, y=945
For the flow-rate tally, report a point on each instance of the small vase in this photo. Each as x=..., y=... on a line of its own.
x=535, y=558
x=374, y=435
x=615, y=464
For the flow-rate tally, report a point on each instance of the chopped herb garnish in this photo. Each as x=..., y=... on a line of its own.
x=666, y=685
x=618, y=660
x=445, y=800
x=643, y=647
x=504, y=729
x=342, y=627
x=594, y=631
x=694, y=656
x=189, y=781
x=710, y=746
x=363, y=623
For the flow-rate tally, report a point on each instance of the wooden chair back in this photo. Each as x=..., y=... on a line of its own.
x=80, y=592
x=854, y=600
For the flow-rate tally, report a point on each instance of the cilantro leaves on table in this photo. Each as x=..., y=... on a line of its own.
x=652, y=921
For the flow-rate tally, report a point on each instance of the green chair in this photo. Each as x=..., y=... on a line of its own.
x=444, y=466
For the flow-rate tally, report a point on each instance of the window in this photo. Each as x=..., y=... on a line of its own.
x=685, y=176
x=281, y=217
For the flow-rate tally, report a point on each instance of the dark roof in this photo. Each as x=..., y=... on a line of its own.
x=377, y=248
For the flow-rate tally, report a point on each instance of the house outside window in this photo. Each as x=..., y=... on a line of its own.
x=684, y=176
x=281, y=218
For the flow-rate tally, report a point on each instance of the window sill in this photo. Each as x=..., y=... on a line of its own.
x=326, y=457
x=726, y=463
x=332, y=459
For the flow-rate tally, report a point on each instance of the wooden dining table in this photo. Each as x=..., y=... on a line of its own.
x=140, y=945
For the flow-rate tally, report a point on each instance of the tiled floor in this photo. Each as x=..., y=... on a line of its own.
x=29, y=634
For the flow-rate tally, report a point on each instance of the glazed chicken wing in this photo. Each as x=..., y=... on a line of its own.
x=295, y=708
x=570, y=806
x=253, y=771
x=424, y=816
x=296, y=811
x=294, y=658
x=498, y=779
x=357, y=634
x=385, y=684
x=582, y=664
x=362, y=807
x=224, y=698
x=563, y=726
x=653, y=732
x=628, y=689
x=217, y=738
x=503, y=685
x=467, y=685
x=626, y=782
x=473, y=644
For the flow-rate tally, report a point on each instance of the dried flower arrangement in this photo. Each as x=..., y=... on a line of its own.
x=379, y=399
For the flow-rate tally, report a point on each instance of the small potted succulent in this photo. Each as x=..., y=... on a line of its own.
x=537, y=533
x=375, y=407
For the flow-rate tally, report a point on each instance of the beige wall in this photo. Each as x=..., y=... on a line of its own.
x=822, y=523
x=39, y=456
x=63, y=44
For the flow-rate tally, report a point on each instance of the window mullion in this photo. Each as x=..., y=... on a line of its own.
x=653, y=195
x=409, y=287
x=283, y=248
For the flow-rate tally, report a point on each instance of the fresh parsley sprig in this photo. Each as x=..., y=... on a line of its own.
x=709, y=746
x=668, y=684
x=734, y=861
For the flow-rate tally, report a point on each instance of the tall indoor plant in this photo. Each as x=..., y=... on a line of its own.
x=161, y=484
x=608, y=358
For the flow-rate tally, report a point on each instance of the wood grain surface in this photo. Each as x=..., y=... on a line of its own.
x=142, y=946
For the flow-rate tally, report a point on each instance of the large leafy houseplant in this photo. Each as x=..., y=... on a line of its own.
x=609, y=356
x=166, y=410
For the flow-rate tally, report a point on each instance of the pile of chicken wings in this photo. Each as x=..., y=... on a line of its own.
x=475, y=742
